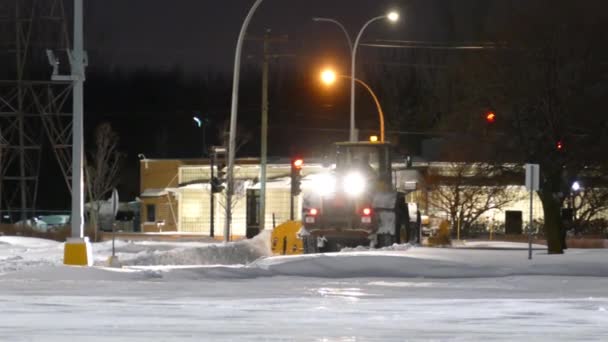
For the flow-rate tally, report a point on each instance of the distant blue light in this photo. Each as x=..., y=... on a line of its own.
x=198, y=121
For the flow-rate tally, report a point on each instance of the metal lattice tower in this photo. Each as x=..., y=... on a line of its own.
x=32, y=106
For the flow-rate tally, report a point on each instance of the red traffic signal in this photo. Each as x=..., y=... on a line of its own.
x=559, y=145
x=296, y=176
x=297, y=163
x=490, y=117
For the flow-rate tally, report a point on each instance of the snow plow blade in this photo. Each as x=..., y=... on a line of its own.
x=284, y=240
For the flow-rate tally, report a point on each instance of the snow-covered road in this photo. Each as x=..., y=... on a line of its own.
x=413, y=294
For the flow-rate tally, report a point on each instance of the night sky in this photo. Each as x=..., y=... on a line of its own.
x=198, y=38
x=201, y=35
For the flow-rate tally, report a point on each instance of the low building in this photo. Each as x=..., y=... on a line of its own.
x=176, y=195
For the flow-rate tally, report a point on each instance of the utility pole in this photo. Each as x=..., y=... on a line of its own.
x=78, y=65
x=268, y=40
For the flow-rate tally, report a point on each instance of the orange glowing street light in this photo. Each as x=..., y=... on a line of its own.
x=329, y=77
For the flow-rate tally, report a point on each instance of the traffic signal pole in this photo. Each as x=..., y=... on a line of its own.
x=291, y=216
x=296, y=176
x=211, y=195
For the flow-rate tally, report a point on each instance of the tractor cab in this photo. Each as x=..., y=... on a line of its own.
x=370, y=160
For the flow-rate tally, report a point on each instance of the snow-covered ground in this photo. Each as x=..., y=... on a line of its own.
x=238, y=292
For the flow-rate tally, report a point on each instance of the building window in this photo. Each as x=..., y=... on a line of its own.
x=151, y=213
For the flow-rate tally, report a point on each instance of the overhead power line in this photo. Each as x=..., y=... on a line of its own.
x=429, y=45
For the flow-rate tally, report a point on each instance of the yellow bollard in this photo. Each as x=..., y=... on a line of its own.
x=78, y=252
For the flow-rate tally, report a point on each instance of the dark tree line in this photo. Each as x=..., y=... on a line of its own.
x=547, y=84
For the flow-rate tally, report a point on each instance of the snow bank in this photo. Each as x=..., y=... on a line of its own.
x=76, y=273
x=19, y=253
x=394, y=247
x=186, y=253
x=23, y=253
x=175, y=261
x=439, y=263
x=414, y=262
x=28, y=242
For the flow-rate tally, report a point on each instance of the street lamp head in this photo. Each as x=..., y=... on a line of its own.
x=393, y=16
x=328, y=76
x=198, y=121
x=576, y=186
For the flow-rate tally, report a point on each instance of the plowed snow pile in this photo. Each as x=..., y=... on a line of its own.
x=18, y=253
x=252, y=259
x=21, y=253
x=186, y=253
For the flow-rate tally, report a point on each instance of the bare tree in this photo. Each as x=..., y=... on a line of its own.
x=588, y=205
x=240, y=191
x=548, y=87
x=466, y=191
x=242, y=138
x=102, y=169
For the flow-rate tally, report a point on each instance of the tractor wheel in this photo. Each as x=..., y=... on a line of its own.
x=402, y=229
x=385, y=240
x=310, y=245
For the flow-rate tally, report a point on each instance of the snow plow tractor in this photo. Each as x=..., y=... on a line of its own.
x=356, y=204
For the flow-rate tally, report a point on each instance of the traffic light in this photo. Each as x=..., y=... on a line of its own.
x=296, y=176
x=217, y=183
x=490, y=117
x=559, y=145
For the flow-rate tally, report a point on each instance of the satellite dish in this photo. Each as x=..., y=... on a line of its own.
x=114, y=201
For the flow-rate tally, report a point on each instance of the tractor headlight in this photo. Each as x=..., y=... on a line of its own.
x=354, y=184
x=325, y=184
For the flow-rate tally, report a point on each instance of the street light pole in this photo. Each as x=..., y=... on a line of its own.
x=202, y=123
x=392, y=16
x=334, y=21
x=350, y=48
x=378, y=107
x=353, y=134
x=233, y=117
x=329, y=77
x=264, y=133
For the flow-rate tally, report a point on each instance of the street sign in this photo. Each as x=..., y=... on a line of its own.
x=532, y=177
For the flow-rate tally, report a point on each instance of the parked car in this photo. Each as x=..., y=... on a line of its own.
x=45, y=223
x=55, y=221
x=34, y=223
